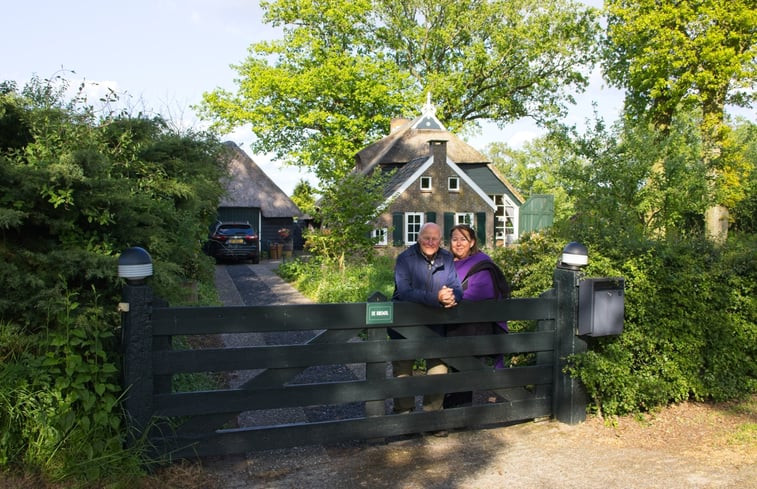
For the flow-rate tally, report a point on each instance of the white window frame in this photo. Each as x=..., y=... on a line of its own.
x=383, y=236
x=426, y=184
x=465, y=218
x=510, y=233
x=506, y=219
x=453, y=187
x=413, y=223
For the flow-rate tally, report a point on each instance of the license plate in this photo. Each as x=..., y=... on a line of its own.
x=236, y=241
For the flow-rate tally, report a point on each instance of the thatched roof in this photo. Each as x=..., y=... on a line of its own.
x=249, y=186
x=411, y=141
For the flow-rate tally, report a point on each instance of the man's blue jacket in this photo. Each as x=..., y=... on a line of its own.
x=417, y=279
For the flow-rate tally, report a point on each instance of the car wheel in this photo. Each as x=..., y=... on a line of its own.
x=256, y=259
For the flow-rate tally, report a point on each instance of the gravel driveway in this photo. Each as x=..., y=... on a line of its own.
x=690, y=448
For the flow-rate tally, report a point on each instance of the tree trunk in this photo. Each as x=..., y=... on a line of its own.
x=716, y=224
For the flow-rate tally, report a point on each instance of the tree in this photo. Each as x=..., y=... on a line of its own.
x=346, y=214
x=75, y=191
x=345, y=68
x=534, y=169
x=674, y=56
x=745, y=212
x=304, y=195
x=610, y=184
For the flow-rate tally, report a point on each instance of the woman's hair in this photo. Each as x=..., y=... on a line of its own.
x=469, y=233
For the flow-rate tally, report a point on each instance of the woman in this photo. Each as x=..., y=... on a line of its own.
x=477, y=287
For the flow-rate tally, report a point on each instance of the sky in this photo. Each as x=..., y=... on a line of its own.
x=162, y=55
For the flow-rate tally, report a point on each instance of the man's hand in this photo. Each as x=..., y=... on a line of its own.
x=447, y=297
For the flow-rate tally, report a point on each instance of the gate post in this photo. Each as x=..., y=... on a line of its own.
x=135, y=266
x=568, y=395
x=375, y=371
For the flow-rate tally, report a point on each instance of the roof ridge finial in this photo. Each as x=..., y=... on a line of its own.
x=429, y=108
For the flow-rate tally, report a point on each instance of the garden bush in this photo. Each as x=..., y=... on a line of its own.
x=689, y=329
x=76, y=189
x=328, y=281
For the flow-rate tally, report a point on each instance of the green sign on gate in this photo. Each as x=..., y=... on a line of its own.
x=379, y=312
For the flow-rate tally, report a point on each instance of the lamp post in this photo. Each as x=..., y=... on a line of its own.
x=574, y=256
x=568, y=395
x=135, y=265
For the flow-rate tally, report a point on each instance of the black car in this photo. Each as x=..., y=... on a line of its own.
x=233, y=241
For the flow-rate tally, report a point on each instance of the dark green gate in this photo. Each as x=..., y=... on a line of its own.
x=188, y=424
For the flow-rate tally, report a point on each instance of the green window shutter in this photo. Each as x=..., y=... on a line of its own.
x=481, y=228
x=398, y=222
x=449, y=222
x=431, y=217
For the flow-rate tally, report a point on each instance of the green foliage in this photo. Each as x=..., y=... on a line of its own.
x=622, y=188
x=345, y=68
x=530, y=265
x=744, y=213
x=689, y=323
x=701, y=59
x=346, y=214
x=702, y=54
x=75, y=191
x=304, y=196
x=82, y=190
x=689, y=329
x=325, y=282
x=59, y=398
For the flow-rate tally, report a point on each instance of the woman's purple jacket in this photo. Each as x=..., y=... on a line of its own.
x=480, y=286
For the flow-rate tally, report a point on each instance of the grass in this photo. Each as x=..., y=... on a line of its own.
x=326, y=283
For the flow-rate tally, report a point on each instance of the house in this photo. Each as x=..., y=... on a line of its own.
x=253, y=197
x=440, y=178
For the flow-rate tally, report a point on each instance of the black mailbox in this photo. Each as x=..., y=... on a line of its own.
x=601, y=306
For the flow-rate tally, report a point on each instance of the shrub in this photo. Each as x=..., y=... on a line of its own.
x=75, y=191
x=689, y=330
x=325, y=281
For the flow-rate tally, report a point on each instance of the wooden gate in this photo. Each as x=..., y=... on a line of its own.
x=189, y=424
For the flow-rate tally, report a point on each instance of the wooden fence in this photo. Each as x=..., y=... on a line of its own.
x=189, y=424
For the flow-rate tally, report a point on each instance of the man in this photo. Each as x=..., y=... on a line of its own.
x=425, y=273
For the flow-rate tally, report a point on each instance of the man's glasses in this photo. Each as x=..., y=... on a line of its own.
x=426, y=239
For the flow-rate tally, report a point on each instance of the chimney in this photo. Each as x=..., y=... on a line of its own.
x=396, y=123
x=438, y=150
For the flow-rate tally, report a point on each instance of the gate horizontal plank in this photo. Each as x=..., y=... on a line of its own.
x=329, y=393
x=287, y=356
x=298, y=317
x=228, y=442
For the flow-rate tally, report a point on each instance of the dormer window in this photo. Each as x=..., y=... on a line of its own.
x=425, y=184
x=453, y=184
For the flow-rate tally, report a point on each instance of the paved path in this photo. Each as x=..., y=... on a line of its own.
x=263, y=285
